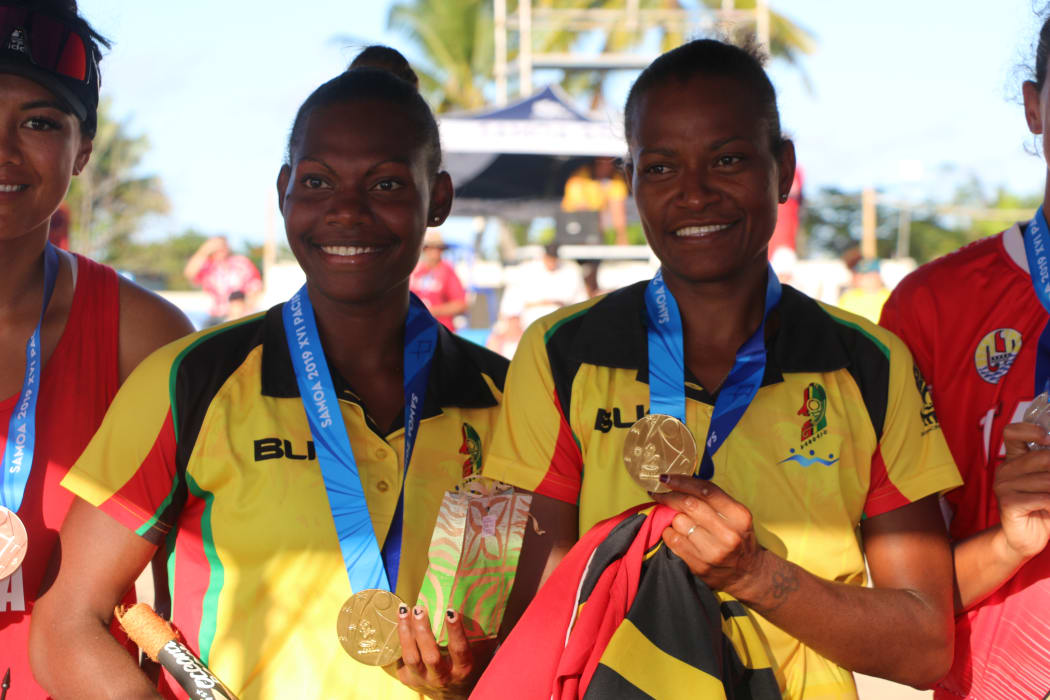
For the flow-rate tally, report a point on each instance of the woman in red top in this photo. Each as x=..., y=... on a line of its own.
x=64, y=355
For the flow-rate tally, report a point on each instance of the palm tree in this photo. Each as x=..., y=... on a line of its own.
x=455, y=37
x=108, y=201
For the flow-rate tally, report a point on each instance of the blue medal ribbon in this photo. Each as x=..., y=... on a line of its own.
x=1037, y=250
x=366, y=565
x=21, y=430
x=667, y=366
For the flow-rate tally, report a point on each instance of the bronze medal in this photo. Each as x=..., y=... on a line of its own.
x=658, y=444
x=13, y=542
x=367, y=627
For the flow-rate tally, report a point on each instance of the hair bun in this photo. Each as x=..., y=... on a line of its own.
x=388, y=59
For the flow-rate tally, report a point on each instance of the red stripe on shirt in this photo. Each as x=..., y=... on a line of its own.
x=883, y=495
x=144, y=495
x=564, y=476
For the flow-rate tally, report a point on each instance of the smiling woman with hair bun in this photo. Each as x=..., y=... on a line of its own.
x=71, y=330
x=296, y=457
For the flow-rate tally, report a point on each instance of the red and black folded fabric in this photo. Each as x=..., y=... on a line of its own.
x=623, y=617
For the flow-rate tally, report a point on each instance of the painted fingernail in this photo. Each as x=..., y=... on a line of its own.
x=402, y=611
x=664, y=478
x=451, y=615
x=418, y=611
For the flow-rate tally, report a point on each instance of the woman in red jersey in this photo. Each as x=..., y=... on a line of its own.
x=71, y=330
x=976, y=321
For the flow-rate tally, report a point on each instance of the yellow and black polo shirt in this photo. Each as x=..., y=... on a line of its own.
x=840, y=429
x=206, y=450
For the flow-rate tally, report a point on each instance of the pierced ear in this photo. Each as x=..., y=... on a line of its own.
x=441, y=194
x=1032, y=106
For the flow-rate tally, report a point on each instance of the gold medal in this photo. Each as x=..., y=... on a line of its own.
x=658, y=444
x=13, y=542
x=367, y=627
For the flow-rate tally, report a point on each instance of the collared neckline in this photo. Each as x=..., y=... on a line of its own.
x=455, y=379
x=613, y=334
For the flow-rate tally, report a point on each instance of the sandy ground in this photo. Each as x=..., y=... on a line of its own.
x=877, y=689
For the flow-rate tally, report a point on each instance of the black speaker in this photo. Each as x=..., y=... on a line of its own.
x=577, y=228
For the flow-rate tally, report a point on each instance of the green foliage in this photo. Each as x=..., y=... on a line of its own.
x=831, y=221
x=108, y=200
x=158, y=264
x=456, y=41
x=456, y=37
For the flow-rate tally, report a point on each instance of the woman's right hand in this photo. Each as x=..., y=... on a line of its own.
x=1022, y=486
x=437, y=672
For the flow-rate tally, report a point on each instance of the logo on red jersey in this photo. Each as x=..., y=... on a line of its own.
x=996, y=353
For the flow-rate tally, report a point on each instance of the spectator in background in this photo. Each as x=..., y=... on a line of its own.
x=600, y=188
x=436, y=283
x=220, y=273
x=589, y=274
x=867, y=293
x=537, y=288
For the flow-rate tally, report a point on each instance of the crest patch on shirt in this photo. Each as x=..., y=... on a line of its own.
x=471, y=447
x=995, y=354
x=815, y=409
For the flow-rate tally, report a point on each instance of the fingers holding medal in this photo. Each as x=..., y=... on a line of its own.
x=658, y=444
x=426, y=664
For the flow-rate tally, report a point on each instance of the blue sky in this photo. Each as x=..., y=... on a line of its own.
x=906, y=96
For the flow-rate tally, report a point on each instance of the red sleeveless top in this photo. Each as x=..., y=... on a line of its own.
x=77, y=384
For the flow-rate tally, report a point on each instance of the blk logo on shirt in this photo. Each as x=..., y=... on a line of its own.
x=276, y=448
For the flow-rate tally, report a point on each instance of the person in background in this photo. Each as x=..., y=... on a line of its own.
x=289, y=460
x=71, y=330
x=599, y=187
x=535, y=289
x=541, y=287
x=813, y=449
x=867, y=293
x=436, y=282
x=220, y=273
x=976, y=321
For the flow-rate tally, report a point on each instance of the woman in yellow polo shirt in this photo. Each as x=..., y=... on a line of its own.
x=814, y=443
x=296, y=457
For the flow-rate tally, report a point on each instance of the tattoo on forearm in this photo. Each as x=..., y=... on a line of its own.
x=785, y=582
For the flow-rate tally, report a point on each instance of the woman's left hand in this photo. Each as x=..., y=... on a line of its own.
x=435, y=671
x=713, y=534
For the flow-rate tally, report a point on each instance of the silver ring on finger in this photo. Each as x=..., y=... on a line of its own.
x=690, y=530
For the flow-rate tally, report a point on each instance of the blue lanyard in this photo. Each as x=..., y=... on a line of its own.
x=366, y=565
x=1037, y=250
x=21, y=431
x=667, y=366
